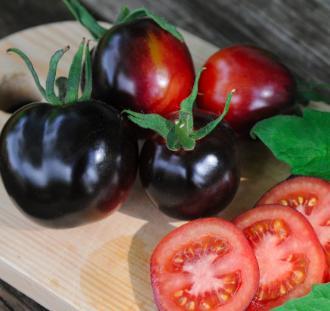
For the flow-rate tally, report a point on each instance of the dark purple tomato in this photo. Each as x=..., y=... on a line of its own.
x=264, y=86
x=191, y=184
x=142, y=67
x=67, y=165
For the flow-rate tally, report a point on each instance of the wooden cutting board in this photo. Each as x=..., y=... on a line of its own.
x=104, y=265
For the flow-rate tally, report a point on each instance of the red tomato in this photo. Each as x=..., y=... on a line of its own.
x=311, y=197
x=264, y=87
x=289, y=254
x=206, y=264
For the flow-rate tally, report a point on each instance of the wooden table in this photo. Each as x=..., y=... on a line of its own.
x=297, y=31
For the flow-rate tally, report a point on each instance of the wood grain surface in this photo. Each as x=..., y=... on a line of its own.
x=102, y=266
x=298, y=31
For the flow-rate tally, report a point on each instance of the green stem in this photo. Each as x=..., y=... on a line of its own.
x=85, y=18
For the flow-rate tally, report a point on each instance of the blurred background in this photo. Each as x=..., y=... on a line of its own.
x=297, y=31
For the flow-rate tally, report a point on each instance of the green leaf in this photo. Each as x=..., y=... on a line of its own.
x=310, y=91
x=317, y=300
x=31, y=69
x=50, y=82
x=301, y=142
x=126, y=16
x=208, y=128
x=151, y=121
x=74, y=78
x=85, y=18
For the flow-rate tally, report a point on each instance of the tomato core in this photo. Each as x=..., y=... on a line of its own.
x=290, y=267
x=207, y=289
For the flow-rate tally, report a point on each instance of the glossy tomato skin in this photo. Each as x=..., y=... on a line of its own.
x=188, y=268
x=264, y=86
x=142, y=67
x=191, y=184
x=67, y=165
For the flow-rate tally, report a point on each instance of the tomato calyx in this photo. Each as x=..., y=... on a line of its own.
x=125, y=16
x=179, y=134
x=68, y=87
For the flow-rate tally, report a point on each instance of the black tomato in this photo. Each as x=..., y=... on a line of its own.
x=194, y=183
x=67, y=165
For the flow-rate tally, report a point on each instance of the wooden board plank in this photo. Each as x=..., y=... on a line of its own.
x=100, y=266
x=297, y=31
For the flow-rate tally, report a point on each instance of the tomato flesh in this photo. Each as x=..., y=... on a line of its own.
x=311, y=197
x=288, y=252
x=206, y=264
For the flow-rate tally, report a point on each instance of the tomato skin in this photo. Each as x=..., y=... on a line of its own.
x=301, y=236
x=140, y=66
x=191, y=184
x=191, y=232
x=67, y=165
x=314, y=196
x=264, y=86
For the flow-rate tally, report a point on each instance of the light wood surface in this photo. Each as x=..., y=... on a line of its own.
x=104, y=265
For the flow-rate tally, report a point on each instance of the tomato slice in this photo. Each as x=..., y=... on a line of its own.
x=311, y=197
x=289, y=255
x=206, y=264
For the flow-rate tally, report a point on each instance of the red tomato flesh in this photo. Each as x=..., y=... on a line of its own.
x=311, y=197
x=289, y=254
x=206, y=264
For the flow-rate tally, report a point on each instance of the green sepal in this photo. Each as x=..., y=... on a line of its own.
x=151, y=121
x=88, y=87
x=126, y=16
x=61, y=84
x=50, y=82
x=85, y=18
x=68, y=88
x=186, y=107
x=179, y=134
x=74, y=77
x=31, y=69
x=208, y=128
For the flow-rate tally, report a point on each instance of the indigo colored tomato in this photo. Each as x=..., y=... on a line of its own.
x=70, y=160
x=67, y=165
x=140, y=66
x=193, y=183
x=264, y=86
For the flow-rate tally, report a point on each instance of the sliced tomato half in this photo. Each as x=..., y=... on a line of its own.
x=206, y=264
x=289, y=254
x=311, y=197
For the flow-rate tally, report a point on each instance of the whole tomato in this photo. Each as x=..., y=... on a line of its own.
x=141, y=63
x=264, y=86
x=70, y=159
x=194, y=183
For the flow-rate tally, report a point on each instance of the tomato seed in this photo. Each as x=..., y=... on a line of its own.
x=205, y=306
